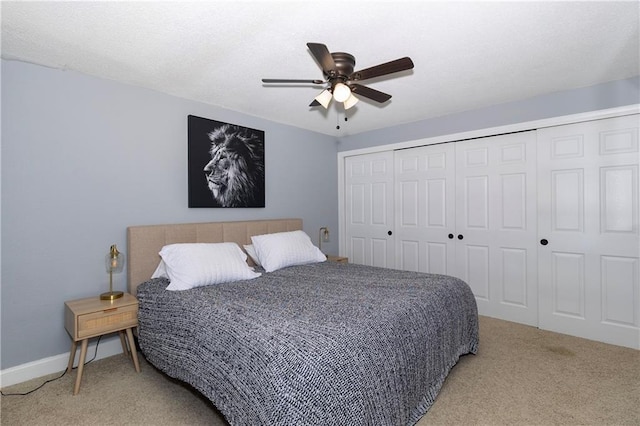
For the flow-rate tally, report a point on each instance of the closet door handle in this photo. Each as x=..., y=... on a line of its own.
x=544, y=242
x=460, y=236
x=451, y=236
x=389, y=233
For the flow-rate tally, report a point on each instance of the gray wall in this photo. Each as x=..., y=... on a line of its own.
x=83, y=158
x=603, y=96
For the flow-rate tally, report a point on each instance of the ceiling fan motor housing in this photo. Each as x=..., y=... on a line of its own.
x=345, y=64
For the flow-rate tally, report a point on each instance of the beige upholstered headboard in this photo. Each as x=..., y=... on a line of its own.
x=144, y=242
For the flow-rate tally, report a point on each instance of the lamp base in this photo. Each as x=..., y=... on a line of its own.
x=111, y=295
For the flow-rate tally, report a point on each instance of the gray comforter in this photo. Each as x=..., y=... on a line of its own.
x=321, y=344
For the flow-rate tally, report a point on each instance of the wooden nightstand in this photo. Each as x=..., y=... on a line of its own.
x=338, y=259
x=92, y=317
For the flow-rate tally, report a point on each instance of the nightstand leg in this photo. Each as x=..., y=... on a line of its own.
x=83, y=355
x=123, y=342
x=134, y=354
x=72, y=356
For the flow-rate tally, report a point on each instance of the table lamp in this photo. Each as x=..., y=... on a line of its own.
x=114, y=263
x=323, y=235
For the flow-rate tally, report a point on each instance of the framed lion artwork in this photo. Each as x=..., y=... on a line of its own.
x=226, y=164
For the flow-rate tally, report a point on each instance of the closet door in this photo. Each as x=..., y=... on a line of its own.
x=496, y=224
x=588, y=223
x=425, y=209
x=369, y=209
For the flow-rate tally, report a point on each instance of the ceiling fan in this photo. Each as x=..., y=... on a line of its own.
x=342, y=81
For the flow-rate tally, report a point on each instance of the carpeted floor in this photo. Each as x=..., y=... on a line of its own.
x=521, y=376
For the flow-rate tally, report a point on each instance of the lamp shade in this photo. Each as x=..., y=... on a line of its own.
x=341, y=92
x=351, y=101
x=114, y=260
x=324, y=98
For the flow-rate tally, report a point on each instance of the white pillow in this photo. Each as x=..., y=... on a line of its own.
x=161, y=270
x=192, y=265
x=251, y=251
x=282, y=249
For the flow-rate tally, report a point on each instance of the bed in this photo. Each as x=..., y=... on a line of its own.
x=321, y=343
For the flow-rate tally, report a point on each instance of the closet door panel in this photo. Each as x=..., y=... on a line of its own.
x=475, y=203
x=496, y=224
x=513, y=202
x=379, y=252
x=619, y=279
x=513, y=276
x=588, y=218
x=409, y=255
x=369, y=209
x=425, y=204
x=474, y=261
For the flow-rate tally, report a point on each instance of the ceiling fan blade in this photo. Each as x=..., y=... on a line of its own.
x=276, y=80
x=398, y=65
x=323, y=57
x=370, y=93
x=315, y=103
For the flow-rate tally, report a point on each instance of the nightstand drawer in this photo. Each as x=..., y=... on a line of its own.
x=108, y=320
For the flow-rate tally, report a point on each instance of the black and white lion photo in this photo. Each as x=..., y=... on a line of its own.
x=226, y=164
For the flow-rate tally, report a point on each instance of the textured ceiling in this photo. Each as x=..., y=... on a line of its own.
x=467, y=55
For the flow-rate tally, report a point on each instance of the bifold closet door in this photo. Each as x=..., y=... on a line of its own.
x=495, y=231
x=468, y=209
x=588, y=230
x=425, y=209
x=369, y=238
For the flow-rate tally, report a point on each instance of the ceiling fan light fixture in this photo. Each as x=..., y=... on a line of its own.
x=351, y=101
x=324, y=98
x=341, y=92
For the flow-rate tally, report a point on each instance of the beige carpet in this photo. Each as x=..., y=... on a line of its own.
x=521, y=376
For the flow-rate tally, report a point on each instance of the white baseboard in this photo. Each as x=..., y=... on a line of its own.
x=57, y=363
